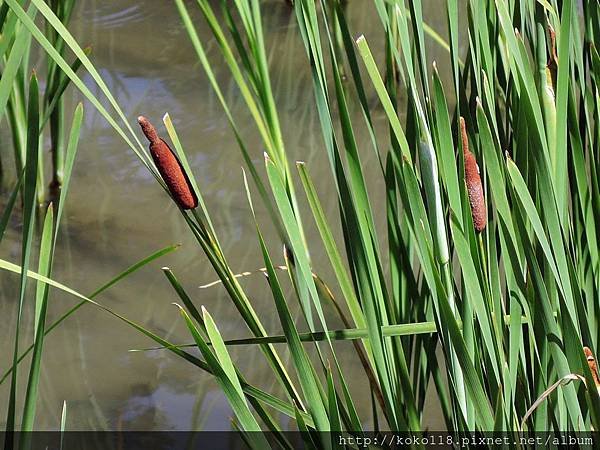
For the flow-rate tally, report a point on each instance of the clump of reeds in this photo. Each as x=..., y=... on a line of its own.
x=15, y=58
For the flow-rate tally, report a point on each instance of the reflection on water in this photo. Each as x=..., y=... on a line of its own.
x=116, y=214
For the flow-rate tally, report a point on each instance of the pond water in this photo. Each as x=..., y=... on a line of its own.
x=116, y=214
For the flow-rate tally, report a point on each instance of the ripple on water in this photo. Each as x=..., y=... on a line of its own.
x=107, y=17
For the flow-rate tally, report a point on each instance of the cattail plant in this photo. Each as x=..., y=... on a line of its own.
x=170, y=168
x=592, y=364
x=473, y=182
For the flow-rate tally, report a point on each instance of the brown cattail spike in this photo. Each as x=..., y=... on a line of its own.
x=148, y=130
x=169, y=167
x=473, y=182
x=552, y=66
x=592, y=363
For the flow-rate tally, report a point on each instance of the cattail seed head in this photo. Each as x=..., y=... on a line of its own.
x=473, y=182
x=552, y=66
x=592, y=364
x=169, y=167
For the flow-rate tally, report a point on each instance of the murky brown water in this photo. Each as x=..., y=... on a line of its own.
x=116, y=214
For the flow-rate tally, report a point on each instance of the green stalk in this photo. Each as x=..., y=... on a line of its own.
x=57, y=137
x=429, y=171
x=348, y=334
x=18, y=128
x=29, y=198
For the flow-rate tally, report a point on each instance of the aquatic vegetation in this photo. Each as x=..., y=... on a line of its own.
x=28, y=186
x=490, y=252
x=15, y=52
x=23, y=95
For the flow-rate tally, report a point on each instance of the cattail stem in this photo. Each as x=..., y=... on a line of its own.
x=483, y=257
x=429, y=173
x=57, y=137
x=548, y=96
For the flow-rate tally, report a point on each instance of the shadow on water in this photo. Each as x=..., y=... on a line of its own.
x=116, y=214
